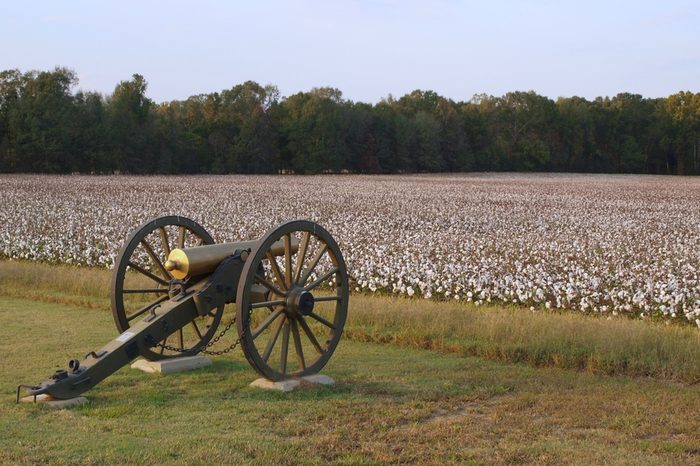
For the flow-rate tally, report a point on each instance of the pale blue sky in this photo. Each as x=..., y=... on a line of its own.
x=367, y=49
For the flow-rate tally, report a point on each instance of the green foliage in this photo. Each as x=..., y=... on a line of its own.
x=44, y=127
x=131, y=127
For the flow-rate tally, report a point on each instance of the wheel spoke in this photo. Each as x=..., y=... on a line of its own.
x=181, y=236
x=297, y=345
x=322, y=320
x=162, y=345
x=145, y=272
x=164, y=241
x=266, y=304
x=301, y=255
x=276, y=270
x=146, y=308
x=155, y=259
x=269, y=285
x=288, y=260
x=271, y=342
x=310, y=335
x=196, y=329
x=313, y=263
x=266, y=323
x=285, y=347
x=146, y=290
x=326, y=298
x=182, y=339
x=321, y=279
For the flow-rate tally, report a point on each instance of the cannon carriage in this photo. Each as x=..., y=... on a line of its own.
x=175, y=292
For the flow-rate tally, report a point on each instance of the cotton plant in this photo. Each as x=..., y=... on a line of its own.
x=593, y=244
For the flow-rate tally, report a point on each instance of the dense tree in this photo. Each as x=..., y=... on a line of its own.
x=11, y=86
x=89, y=141
x=46, y=127
x=255, y=141
x=683, y=144
x=39, y=113
x=576, y=136
x=131, y=127
x=523, y=135
x=315, y=131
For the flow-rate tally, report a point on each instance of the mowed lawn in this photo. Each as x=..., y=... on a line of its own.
x=390, y=404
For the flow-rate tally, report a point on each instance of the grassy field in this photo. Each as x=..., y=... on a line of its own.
x=393, y=401
x=606, y=345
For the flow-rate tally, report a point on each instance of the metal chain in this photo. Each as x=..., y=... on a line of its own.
x=203, y=349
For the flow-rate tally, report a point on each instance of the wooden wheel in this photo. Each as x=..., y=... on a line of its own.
x=305, y=306
x=140, y=282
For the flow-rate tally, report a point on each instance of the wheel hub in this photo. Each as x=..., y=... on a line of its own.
x=300, y=302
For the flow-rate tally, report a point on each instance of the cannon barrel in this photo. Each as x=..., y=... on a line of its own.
x=201, y=260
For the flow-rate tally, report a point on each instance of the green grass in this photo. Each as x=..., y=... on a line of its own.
x=417, y=382
x=389, y=405
x=619, y=346
x=567, y=340
x=79, y=286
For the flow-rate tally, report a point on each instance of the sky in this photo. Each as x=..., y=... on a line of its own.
x=367, y=48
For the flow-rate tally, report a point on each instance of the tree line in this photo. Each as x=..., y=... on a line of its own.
x=46, y=127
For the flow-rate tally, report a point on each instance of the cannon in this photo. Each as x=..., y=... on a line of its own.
x=176, y=293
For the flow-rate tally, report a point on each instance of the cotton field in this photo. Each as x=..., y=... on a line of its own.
x=595, y=244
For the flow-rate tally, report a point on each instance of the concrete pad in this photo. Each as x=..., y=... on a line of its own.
x=53, y=403
x=292, y=384
x=144, y=365
x=283, y=386
x=169, y=366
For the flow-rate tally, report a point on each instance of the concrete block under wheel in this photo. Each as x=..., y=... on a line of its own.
x=292, y=384
x=169, y=366
x=53, y=403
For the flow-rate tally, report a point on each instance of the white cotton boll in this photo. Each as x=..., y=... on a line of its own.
x=587, y=263
x=410, y=291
